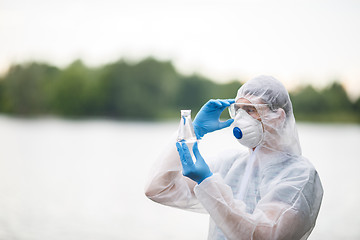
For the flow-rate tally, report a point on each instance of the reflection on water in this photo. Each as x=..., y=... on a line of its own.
x=85, y=179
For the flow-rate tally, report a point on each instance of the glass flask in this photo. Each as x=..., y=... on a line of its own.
x=186, y=131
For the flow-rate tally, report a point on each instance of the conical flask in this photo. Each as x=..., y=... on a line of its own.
x=186, y=130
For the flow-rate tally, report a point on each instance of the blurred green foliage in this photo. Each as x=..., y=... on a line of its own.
x=330, y=104
x=148, y=90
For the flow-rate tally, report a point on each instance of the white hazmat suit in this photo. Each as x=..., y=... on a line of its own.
x=269, y=192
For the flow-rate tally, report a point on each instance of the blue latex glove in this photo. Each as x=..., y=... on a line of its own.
x=197, y=171
x=207, y=120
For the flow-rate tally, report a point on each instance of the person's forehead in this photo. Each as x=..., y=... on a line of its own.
x=250, y=100
x=243, y=100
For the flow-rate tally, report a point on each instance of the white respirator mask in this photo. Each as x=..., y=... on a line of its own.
x=247, y=130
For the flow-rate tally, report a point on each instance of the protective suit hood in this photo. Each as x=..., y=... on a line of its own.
x=280, y=133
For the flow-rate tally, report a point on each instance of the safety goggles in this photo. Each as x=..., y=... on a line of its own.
x=252, y=109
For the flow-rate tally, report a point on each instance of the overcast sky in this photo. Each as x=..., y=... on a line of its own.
x=305, y=41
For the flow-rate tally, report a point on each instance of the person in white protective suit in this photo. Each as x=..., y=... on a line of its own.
x=269, y=191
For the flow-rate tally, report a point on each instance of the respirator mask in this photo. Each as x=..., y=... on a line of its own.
x=246, y=129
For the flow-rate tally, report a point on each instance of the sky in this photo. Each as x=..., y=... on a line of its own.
x=299, y=42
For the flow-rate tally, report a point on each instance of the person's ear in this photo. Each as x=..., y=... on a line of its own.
x=281, y=117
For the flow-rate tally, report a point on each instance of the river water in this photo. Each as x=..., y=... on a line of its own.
x=75, y=180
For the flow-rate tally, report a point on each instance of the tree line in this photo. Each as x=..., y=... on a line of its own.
x=146, y=90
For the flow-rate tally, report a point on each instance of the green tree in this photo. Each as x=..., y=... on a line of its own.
x=23, y=88
x=73, y=91
x=149, y=89
x=2, y=97
x=356, y=109
x=336, y=98
x=227, y=90
x=194, y=91
x=143, y=90
x=308, y=101
x=356, y=106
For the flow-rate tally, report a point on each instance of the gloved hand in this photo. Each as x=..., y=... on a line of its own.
x=207, y=119
x=197, y=171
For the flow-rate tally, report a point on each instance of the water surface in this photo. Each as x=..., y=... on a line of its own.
x=74, y=180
